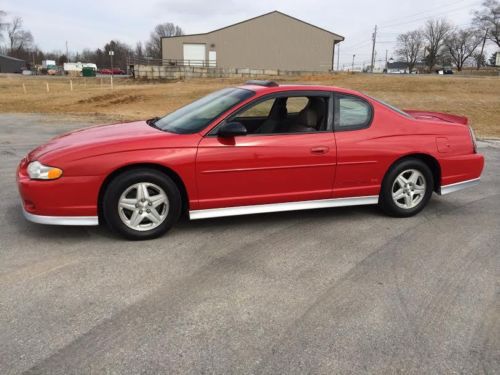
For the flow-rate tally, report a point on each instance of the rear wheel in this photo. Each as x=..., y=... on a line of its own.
x=141, y=204
x=407, y=188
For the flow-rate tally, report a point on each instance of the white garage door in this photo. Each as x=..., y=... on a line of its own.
x=194, y=54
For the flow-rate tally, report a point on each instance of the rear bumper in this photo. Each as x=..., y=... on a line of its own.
x=451, y=188
x=460, y=172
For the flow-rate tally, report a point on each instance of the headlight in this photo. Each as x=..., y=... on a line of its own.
x=38, y=171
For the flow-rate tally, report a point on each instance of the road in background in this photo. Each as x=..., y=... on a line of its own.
x=329, y=291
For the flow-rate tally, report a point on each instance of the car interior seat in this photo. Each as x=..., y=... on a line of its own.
x=311, y=118
x=276, y=117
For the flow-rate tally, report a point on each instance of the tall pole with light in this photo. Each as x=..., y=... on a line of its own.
x=111, y=54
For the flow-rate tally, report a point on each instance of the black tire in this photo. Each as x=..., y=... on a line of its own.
x=124, y=181
x=386, y=201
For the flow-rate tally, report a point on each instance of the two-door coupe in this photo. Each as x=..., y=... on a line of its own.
x=258, y=148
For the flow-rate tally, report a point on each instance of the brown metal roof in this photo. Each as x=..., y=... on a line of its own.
x=253, y=18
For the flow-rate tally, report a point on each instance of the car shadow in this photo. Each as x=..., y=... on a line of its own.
x=33, y=230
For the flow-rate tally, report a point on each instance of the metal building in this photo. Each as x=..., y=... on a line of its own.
x=11, y=64
x=271, y=41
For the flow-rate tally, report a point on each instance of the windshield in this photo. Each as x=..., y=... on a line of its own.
x=197, y=115
x=391, y=107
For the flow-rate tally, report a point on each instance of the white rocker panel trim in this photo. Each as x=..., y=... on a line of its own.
x=447, y=189
x=281, y=207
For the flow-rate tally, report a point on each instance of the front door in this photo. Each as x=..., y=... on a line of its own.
x=289, y=154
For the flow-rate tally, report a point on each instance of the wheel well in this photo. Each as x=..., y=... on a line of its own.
x=169, y=172
x=431, y=162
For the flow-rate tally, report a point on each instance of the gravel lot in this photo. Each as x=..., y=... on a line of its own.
x=322, y=292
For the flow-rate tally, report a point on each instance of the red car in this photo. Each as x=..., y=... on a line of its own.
x=115, y=71
x=253, y=149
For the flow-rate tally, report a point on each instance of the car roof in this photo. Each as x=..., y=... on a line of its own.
x=266, y=89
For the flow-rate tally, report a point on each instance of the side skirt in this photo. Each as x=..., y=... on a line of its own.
x=281, y=207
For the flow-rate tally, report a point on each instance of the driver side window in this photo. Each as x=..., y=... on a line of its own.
x=261, y=109
x=285, y=115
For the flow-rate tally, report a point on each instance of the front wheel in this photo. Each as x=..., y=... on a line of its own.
x=407, y=188
x=141, y=204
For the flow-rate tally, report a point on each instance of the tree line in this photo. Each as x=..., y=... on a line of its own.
x=438, y=42
x=17, y=41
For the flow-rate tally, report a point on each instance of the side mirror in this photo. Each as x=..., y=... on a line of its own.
x=231, y=129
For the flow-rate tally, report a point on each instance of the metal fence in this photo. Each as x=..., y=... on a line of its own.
x=172, y=62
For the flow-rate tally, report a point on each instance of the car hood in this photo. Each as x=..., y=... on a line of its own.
x=103, y=139
x=437, y=116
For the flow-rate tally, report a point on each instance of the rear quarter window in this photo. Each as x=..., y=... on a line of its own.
x=352, y=112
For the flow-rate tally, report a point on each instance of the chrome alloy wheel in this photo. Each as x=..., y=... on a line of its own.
x=143, y=206
x=409, y=189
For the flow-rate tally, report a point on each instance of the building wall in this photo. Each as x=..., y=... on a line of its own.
x=187, y=72
x=272, y=41
x=11, y=65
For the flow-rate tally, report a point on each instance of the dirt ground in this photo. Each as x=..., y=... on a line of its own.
x=475, y=97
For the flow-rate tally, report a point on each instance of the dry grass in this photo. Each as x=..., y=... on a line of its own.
x=475, y=97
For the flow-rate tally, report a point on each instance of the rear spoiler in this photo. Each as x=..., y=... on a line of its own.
x=438, y=116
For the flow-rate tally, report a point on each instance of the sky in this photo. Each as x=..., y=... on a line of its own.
x=90, y=23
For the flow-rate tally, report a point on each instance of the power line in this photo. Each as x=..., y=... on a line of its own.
x=429, y=10
x=434, y=15
x=411, y=15
x=383, y=27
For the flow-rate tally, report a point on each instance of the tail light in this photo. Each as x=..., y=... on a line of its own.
x=473, y=138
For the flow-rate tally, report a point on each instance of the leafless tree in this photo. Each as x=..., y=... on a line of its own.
x=2, y=24
x=19, y=39
x=435, y=32
x=488, y=19
x=479, y=59
x=153, y=46
x=409, y=47
x=461, y=45
x=139, y=50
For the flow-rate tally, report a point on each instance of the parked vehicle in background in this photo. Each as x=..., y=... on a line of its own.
x=54, y=70
x=251, y=149
x=444, y=71
x=115, y=71
x=46, y=64
x=76, y=68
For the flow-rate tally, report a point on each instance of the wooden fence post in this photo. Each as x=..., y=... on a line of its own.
x=70, y=85
x=24, y=89
x=47, y=86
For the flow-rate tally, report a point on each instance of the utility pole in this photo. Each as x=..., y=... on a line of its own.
x=111, y=54
x=374, y=38
x=67, y=53
x=352, y=69
x=338, y=55
x=482, y=50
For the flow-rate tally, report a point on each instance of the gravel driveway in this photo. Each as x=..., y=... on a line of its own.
x=329, y=291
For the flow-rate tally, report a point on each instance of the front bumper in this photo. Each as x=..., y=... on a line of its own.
x=70, y=200
x=61, y=220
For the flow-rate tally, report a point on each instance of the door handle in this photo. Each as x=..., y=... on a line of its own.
x=320, y=150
